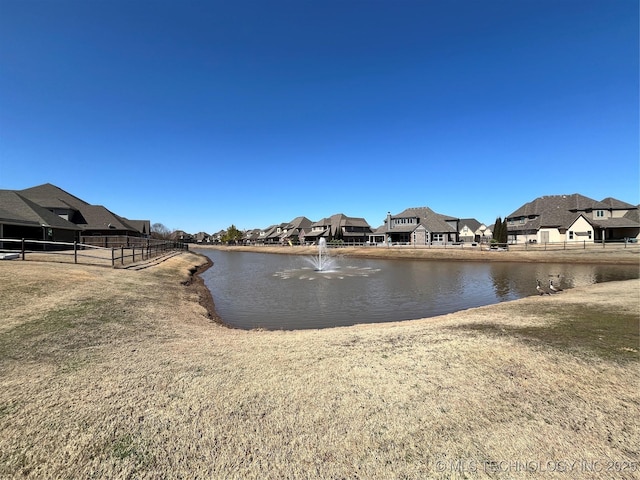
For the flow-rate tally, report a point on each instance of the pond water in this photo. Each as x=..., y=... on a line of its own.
x=270, y=291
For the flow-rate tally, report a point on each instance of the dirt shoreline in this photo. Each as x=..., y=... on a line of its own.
x=205, y=298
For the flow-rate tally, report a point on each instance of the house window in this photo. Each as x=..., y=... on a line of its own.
x=570, y=235
x=437, y=237
x=600, y=213
x=589, y=233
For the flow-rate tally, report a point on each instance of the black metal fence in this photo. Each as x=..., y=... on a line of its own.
x=75, y=252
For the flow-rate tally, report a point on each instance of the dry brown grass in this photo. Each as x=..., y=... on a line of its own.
x=119, y=374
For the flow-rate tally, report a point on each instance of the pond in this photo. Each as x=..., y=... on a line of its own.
x=271, y=291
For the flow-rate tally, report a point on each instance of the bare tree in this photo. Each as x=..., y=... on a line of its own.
x=159, y=231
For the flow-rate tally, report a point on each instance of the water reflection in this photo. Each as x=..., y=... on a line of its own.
x=254, y=290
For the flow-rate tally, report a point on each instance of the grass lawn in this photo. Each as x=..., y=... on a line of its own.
x=118, y=373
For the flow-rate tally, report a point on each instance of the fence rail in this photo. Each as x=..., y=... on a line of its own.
x=75, y=252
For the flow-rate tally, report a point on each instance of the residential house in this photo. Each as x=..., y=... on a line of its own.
x=22, y=218
x=92, y=219
x=339, y=227
x=272, y=236
x=379, y=235
x=294, y=231
x=573, y=218
x=202, y=237
x=251, y=237
x=217, y=237
x=471, y=230
x=181, y=236
x=260, y=236
x=421, y=226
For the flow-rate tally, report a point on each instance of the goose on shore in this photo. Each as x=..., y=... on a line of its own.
x=553, y=288
x=541, y=290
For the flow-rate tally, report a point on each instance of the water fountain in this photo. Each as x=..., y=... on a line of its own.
x=324, y=266
x=322, y=262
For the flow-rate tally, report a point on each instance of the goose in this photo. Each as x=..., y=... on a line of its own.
x=541, y=290
x=553, y=288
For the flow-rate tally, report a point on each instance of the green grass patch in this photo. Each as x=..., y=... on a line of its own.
x=584, y=330
x=60, y=331
x=127, y=448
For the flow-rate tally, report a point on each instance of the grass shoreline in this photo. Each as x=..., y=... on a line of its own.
x=118, y=373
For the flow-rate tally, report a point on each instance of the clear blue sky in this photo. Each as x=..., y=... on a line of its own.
x=200, y=114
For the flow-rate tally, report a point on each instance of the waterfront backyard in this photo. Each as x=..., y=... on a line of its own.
x=116, y=373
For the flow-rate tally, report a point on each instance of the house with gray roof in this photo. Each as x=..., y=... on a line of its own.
x=471, y=230
x=339, y=227
x=23, y=218
x=92, y=219
x=251, y=236
x=573, y=218
x=272, y=236
x=294, y=231
x=421, y=226
x=217, y=237
x=202, y=237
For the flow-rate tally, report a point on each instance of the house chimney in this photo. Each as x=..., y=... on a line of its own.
x=388, y=221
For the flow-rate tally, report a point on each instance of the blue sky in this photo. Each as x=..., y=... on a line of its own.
x=203, y=114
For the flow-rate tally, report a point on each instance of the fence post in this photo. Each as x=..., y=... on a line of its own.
x=134, y=253
x=23, y=249
x=113, y=257
x=121, y=255
x=75, y=251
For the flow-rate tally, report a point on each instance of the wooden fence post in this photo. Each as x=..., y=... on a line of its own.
x=113, y=257
x=23, y=249
x=121, y=255
x=75, y=252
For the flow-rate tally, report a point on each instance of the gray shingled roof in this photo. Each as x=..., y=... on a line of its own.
x=89, y=217
x=432, y=221
x=621, y=222
x=335, y=223
x=553, y=206
x=472, y=223
x=300, y=222
x=633, y=214
x=143, y=226
x=615, y=204
x=50, y=196
x=563, y=210
x=18, y=210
